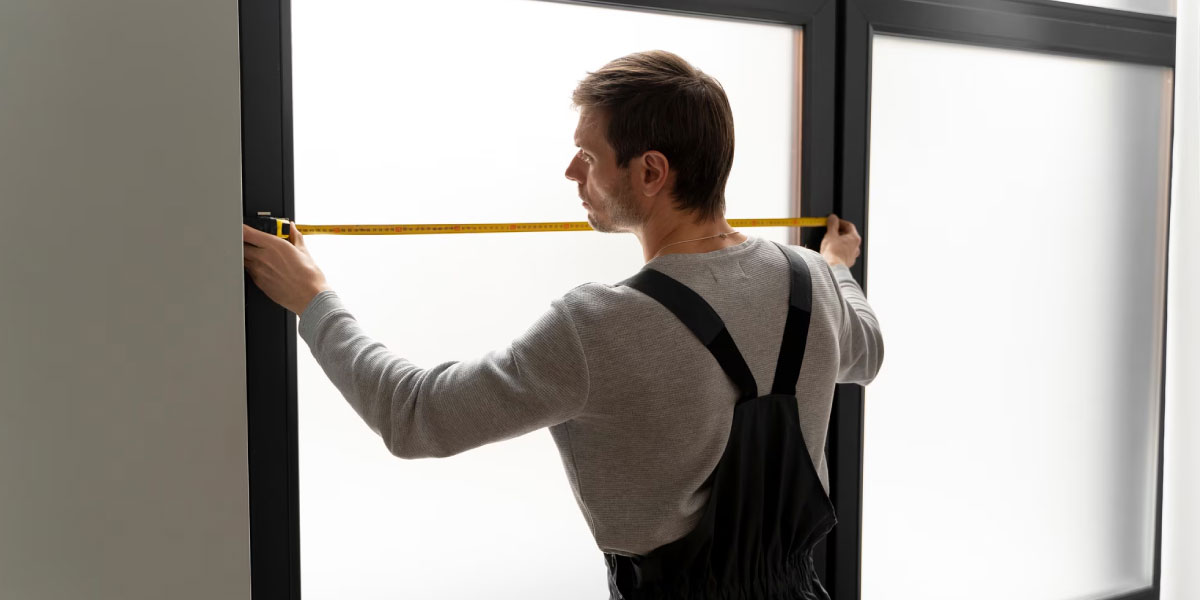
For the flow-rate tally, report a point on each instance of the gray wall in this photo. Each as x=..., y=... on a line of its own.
x=122, y=367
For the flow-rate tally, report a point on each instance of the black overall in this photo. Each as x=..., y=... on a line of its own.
x=767, y=508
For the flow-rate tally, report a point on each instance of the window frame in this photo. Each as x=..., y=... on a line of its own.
x=1034, y=25
x=268, y=187
x=831, y=177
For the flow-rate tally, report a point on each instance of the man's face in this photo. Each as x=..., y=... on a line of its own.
x=606, y=191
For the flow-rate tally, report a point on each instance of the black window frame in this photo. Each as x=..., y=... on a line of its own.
x=1033, y=25
x=833, y=178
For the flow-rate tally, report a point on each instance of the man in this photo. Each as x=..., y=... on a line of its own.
x=649, y=387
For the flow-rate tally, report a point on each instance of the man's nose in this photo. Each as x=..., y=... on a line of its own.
x=570, y=168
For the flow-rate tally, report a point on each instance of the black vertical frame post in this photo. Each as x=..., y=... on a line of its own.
x=818, y=183
x=270, y=329
x=1033, y=25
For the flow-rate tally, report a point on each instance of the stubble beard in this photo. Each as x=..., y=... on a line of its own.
x=623, y=213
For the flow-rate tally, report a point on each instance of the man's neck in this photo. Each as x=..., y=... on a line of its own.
x=659, y=236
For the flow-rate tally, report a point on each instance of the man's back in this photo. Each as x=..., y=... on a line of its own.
x=658, y=407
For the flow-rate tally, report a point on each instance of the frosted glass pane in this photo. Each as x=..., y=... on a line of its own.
x=1017, y=223
x=1165, y=8
x=438, y=112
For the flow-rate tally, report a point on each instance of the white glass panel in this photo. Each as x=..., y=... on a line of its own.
x=438, y=112
x=1017, y=223
x=1157, y=7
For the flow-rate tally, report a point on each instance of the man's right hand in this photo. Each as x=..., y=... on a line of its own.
x=842, y=242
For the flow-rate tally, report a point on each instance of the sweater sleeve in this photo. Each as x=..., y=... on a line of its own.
x=860, y=341
x=539, y=380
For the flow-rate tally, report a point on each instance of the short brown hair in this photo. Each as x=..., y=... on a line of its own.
x=655, y=100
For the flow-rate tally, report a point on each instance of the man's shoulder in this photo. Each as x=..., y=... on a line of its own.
x=603, y=305
x=817, y=267
x=811, y=256
x=593, y=296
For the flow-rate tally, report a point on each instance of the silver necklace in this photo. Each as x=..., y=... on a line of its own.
x=720, y=235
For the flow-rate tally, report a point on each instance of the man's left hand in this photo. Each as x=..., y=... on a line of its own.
x=283, y=270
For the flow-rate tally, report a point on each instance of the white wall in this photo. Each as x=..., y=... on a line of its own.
x=122, y=367
x=1181, y=493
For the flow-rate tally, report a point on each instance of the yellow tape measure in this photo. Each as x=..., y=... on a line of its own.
x=281, y=227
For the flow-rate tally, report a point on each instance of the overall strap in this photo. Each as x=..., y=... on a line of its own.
x=702, y=320
x=795, y=331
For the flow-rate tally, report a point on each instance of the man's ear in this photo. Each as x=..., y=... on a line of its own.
x=654, y=173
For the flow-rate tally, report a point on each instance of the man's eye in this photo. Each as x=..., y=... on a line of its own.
x=583, y=156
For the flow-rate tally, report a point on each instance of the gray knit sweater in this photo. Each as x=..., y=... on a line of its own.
x=638, y=407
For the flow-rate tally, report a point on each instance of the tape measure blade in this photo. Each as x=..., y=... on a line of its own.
x=540, y=227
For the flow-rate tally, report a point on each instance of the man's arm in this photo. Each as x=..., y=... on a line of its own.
x=539, y=380
x=860, y=341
